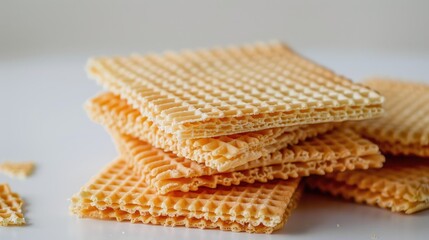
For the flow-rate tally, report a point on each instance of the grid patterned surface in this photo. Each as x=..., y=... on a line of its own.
x=398, y=149
x=113, y=212
x=221, y=91
x=222, y=152
x=10, y=207
x=264, y=174
x=402, y=184
x=338, y=150
x=255, y=204
x=17, y=169
x=404, y=128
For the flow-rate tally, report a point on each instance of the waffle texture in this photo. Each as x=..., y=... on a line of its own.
x=403, y=130
x=402, y=185
x=222, y=91
x=17, y=169
x=117, y=192
x=10, y=207
x=221, y=153
x=338, y=150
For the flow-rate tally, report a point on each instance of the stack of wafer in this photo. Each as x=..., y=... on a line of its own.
x=402, y=185
x=220, y=138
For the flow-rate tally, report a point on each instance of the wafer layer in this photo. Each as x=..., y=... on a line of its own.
x=222, y=153
x=402, y=185
x=404, y=128
x=398, y=149
x=221, y=91
x=10, y=207
x=339, y=150
x=119, y=193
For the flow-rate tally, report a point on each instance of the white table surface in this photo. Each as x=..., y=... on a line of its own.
x=42, y=119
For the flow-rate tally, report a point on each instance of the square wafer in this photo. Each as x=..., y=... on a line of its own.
x=10, y=207
x=338, y=150
x=118, y=193
x=403, y=130
x=222, y=91
x=402, y=185
x=221, y=153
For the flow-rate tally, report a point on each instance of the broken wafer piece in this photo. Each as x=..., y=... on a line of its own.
x=338, y=150
x=403, y=130
x=17, y=169
x=223, y=91
x=402, y=185
x=118, y=193
x=221, y=153
x=10, y=207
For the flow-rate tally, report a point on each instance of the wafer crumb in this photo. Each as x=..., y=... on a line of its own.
x=17, y=169
x=10, y=207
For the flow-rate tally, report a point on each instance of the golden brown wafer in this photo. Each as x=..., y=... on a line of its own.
x=339, y=150
x=222, y=91
x=17, y=169
x=402, y=185
x=10, y=207
x=222, y=153
x=117, y=192
x=398, y=149
x=403, y=130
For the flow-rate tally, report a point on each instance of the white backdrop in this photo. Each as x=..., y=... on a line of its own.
x=44, y=46
x=112, y=26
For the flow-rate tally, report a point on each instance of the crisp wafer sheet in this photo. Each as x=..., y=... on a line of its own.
x=222, y=153
x=402, y=185
x=221, y=91
x=17, y=169
x=404, y=128
x=10, y=207
x=117, y=192
x=339, y=150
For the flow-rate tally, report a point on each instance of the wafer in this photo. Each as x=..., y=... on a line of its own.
x=10, y=207
x=221, y=153
x=404, y=128
x=17, y=169
x=118, y=193
x=402, y=185
x=222, y=91
x=338, y=150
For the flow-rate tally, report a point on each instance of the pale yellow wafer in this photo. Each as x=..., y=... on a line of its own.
x=404, y=128
x=119, y=193
x=402, y=185
x=339, y=150
x=221, y=91
x=10, y=207
x=222, y=153
x=17, y=169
